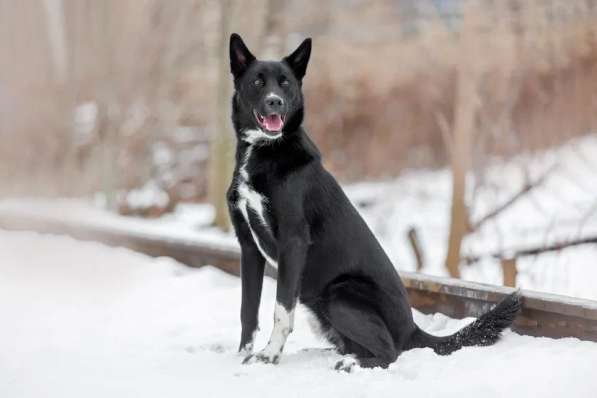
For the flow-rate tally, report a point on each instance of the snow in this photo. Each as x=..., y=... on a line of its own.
x=150, y=194
x=80, y=319
x=563, y=207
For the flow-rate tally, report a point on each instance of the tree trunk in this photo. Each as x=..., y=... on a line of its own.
x=222, y=142
x=461, y=143
x=464, y=124
x=57, y=38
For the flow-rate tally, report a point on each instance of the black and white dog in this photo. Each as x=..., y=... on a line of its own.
x=288, y=211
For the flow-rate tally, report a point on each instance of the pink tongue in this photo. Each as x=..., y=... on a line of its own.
x=273, y=123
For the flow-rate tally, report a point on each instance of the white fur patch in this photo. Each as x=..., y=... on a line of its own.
x=283, y=321
x=254, y=200
x=254, y=136
x=329, y=334
x=249, y=198
x=242, y=204
x=314, y=324
x=272, y=95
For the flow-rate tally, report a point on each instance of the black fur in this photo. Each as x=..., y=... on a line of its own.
x=484, y=331
x=326, y=254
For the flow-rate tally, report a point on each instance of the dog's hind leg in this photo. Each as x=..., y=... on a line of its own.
x=361, y=330
x=361, y=356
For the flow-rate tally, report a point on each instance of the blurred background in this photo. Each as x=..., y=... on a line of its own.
x=473, y=120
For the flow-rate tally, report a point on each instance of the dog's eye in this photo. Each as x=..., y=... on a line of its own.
x=284, y=82
x=258, y=82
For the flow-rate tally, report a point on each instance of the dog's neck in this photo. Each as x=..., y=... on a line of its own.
x=284, y=153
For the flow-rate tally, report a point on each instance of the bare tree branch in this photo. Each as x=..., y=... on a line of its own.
x=529, y=186
x=557, y=246
x=413, y=238
x=533, y=251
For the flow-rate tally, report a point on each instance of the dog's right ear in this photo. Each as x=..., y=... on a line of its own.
x=240, y=56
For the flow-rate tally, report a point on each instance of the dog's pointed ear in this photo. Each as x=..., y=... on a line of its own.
x=240, y=56
x=299, y=59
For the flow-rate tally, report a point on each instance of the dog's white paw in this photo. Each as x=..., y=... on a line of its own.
x=246, y=350
x=346, y=365
x=264, y=356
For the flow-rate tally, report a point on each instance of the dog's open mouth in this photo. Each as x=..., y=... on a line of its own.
x=271, y=123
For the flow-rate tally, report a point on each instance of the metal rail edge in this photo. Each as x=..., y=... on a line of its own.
x=543, y=314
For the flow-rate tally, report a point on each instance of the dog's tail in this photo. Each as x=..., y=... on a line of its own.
x=483, y=332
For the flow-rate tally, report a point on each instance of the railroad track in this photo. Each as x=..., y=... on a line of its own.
x=542, y=314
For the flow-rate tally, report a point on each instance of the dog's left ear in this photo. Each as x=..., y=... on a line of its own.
x=299, y=59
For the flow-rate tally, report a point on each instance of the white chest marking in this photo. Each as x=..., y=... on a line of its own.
x=253, y=136
x=249, y=198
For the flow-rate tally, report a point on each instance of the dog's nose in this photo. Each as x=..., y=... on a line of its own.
x=274, y=104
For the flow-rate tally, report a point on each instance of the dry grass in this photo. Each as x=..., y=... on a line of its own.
x=382, y=108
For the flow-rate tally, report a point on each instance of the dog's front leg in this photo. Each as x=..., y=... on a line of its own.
x=252, y=267
x=290, y=267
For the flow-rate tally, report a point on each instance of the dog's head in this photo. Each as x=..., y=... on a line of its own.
x=268, y=99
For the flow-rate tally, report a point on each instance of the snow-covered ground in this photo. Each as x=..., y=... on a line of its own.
x=563, y=207
x=80, y=319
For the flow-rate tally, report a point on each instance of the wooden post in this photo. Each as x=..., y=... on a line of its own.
x=509, y=271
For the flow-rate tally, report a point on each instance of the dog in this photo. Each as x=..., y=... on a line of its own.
x=288, y=211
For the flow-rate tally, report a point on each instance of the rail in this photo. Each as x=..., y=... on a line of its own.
x=542, y=314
